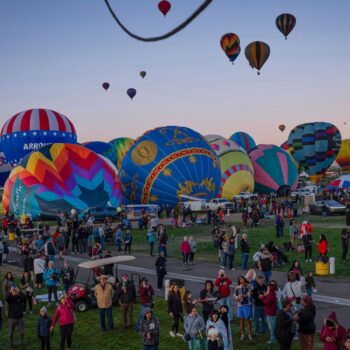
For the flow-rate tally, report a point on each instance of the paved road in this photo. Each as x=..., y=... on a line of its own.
x=333, y=294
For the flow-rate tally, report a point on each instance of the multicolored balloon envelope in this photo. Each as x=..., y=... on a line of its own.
x=274, y=169
x=61, y=177
x=237, y=174
x=102, y=148
x=168, y=162
x=343, y=157
x=5, y=168
x=32, y=129
x=244, y=140
x=314, y=146
x=121, y=145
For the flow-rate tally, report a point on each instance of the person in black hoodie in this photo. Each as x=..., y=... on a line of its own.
x=15, y=301
x=345, y=243
x=161, y=269
x=43, y=329
x=126, y=294
x=174, y=309
x=285, y=327
x=306, y=321
x=67, y=275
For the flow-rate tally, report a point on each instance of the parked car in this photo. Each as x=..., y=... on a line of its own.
x=216, y=203
x=245, y=196
x=100, y=213
x=301, y=192
x=333, y=207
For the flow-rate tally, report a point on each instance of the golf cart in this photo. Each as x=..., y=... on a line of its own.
x=82, y=293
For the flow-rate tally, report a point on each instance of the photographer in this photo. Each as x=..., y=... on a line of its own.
x=51, y=280
x=223, y=284
x=146, y=293
x=149, y=329
x=292, y=290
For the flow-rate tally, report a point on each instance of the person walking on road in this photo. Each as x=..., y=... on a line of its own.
x=160, y=264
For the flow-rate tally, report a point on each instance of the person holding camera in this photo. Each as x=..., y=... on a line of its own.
x=292, y=290
x=52, y=281
x=223, y=284
x=146, y=293
x=149, y=330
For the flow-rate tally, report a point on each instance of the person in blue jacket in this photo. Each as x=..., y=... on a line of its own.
x=51, y=280
x=43, y=329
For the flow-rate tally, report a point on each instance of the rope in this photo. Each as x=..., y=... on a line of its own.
x=177, y=29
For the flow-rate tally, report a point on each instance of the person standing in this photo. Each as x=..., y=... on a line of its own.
x=52, y=281
x=67, y=275
x=292, y=290
x=216, y=322
x=126, y=293
x=27, y=288
x=43, y=329
x=310, y=284
x=160, y=264
x=332, y=334
x=146, y=293
x=15, y=301
x=119, y=239
x=322, y=246
x=231, y=251
x=2, y=249
x=49, y=249
x=104, y=296
x=39, y=267
x=345, y=242
x=151, y=238
x=174, y=309
x=223, y=283
x=285, y=327
x=265, y=264
x=207, y=299
x=194, y=326
x=244, y=251
x=127, y=241
x=270, y=308
x=65, y=315
x=193, y=246
x=306, y=321
x=185, y=250
x=307, y=243
x=149, y=330
x=259, y=311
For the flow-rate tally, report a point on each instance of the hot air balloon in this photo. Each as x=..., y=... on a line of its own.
x=314, y=146
x=121, y=145
x=230, y=44
x=5, y=168
x=61, y=177
x=164, y=7
x=257, y=54
x=282, y=127
x=143, y=74
x=244, y=140
x=274, y=169
x=32, y=129
x=343, y=157
x=237, y=174
x=131, y=93
x=285, y=23
x=168, y=162
x=102, y=148
x=105, y=86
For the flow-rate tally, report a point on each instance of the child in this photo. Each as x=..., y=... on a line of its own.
x=43, y=327
x=310, y=283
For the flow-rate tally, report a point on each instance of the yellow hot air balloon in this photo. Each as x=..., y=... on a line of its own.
x=343, y=157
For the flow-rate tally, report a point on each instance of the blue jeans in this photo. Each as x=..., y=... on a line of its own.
x=259, y=314
x=149, y=347
x=267, y=275
x=309, y=291
x=227, y=301
x=223, y=257
x=51, y=258
x=245, y=261
x=103, y=313
x=271, y=321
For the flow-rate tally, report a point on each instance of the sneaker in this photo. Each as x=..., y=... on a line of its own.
x=242, y=337
x=250, y=337
x=232, y=269
x=31, y=312
x=310, y=260
x=172, y=334
x=179, y=335
x=306, y=260
x=222, y=267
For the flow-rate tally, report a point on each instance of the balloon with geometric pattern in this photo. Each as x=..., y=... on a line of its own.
x=61, y=177
x=121, y=145
x=244, y=140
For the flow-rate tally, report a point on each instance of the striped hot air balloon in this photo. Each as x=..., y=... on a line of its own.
x=257, y=54
x=285, y=23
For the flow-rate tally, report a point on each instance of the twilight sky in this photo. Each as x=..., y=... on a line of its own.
x=56, y=54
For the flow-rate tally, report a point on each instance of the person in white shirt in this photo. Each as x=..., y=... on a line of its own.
x=39, y=267
x=293, y=289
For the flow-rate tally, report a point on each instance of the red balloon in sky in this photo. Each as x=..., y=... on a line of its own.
x=164, y=7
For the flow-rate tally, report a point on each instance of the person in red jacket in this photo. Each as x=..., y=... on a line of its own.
x=322, y=246
x=223, y=285
x=332, y=334
x=65, y=315
x=185, y=250
x=270, y=308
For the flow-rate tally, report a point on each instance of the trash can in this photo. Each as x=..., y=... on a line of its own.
x=332, y=265
x=12, y=236
x=322, y=269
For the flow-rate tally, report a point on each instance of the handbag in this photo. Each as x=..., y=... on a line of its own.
x=297, y=299
x=187, y=336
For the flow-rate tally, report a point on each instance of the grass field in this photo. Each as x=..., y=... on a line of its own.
x=265, y=232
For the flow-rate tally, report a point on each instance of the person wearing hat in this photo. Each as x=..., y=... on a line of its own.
x=126, y=293
x=104, y=295
x=306, y=321
x=15, y=301
x=149, y=330
x=43, y=329
x=65, y=315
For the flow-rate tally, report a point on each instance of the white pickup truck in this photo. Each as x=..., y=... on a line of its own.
x=216, y=203
x=245, y=195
